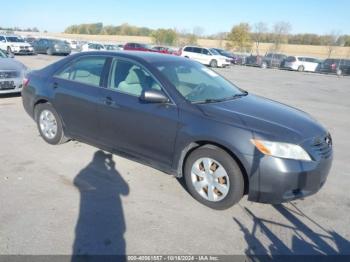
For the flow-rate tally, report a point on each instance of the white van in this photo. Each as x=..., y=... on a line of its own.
x=205, y=56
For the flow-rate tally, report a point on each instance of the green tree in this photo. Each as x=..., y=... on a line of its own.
x=164, y=36
x=240, y=37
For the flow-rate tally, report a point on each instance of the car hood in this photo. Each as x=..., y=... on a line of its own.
x=11, y=64
x=20, y=44
x=267, y=119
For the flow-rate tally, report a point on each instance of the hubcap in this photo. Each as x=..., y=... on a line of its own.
x=48, y=124
x=210, y=179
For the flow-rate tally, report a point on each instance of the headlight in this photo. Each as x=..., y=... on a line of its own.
x=282, y=150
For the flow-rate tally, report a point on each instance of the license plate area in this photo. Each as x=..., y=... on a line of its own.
x=6, y=85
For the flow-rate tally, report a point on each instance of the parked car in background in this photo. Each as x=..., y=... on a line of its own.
x=51, y=47
x=15, y=44
x=205, y=56
x=73, y=44
x=162, y=49
x=138, y=47
x=181, y=117
x=111, y=47
x=301, y=63
x=272, y=60
x=335, y=66
x=29, y=39
x=12, y=73
x=253, y=60
x=92, y=47
x=235, y=59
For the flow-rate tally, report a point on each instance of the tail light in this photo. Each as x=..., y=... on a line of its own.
x=25, y=82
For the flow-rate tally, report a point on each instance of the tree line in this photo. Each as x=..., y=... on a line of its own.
x=243, y=37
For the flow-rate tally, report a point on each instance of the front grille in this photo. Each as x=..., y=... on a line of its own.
x=323, y=146
x=8, y=74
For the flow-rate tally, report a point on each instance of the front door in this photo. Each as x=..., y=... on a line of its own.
x=146, y=130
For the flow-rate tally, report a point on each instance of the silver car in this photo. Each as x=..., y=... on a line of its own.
x=11, y=74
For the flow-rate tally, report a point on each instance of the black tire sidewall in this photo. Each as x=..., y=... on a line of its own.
x=213, y=64
x=59, y=138
x=233, y=170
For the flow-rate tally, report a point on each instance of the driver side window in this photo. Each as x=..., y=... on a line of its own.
x=130, y=78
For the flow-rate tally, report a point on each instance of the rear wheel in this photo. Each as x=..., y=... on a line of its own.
x=213, y=177
x=213, y=63
x=301, y=68
x=49, y=124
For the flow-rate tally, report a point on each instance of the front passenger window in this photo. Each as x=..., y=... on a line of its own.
x=130, y=78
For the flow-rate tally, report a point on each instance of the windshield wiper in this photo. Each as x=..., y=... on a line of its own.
x=216, y=100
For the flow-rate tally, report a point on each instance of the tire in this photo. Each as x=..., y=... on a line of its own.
x=49, y=51
x=233, y=181
x=339, y=72
x=58, y=137
x=301, y=68
x=213, y=63
x=263, y=65
x=9, y=50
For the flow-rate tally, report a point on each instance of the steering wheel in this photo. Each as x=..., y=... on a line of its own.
x=196, y=91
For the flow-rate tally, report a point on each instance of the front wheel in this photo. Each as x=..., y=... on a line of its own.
x=49, y=124
x=213, y=177
x=213, y=64
x=264, y=65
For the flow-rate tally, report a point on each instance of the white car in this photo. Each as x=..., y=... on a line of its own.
x=15, y=44
x=301, y=63
x=205, y=56
x=93, y=47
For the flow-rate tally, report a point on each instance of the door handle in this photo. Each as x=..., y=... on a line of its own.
x=108, y=101
x=55, y=85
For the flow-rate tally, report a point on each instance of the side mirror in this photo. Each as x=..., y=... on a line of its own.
x=154, y=96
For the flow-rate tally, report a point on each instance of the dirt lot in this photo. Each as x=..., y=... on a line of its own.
x=50, y=196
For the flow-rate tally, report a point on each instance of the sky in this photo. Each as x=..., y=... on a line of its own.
x=305, y=16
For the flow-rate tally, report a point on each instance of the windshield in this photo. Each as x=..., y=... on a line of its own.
x=197, y=83
x=214, y=52
x=14, y=39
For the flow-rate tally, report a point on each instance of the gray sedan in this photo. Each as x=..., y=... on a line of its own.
x=11, y=74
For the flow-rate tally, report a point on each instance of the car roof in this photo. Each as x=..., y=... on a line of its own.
x=143, y=57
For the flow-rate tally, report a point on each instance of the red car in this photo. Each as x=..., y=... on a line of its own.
x=138, y=47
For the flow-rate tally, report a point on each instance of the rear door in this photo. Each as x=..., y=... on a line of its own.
x=76, y=93
x=146, y=130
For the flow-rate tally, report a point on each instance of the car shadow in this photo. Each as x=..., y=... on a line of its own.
x=10, y=95
x=301, y=238
x=101, y=225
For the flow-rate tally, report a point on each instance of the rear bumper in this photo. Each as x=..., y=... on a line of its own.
x=276, y=180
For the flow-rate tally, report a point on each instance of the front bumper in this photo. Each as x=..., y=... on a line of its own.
x=275, y=180
x=17, y=87
x=22, y=50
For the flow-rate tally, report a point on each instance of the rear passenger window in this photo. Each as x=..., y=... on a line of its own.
x=205, y=51
x=188, y=49
x=86, y=70
x=197, y=50
x=130, y=78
